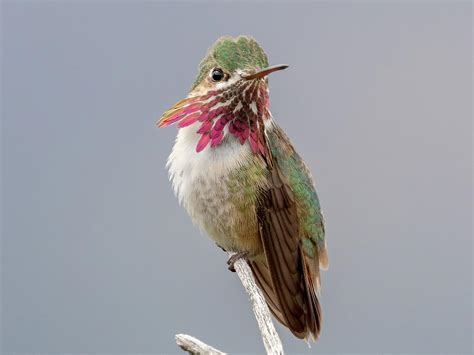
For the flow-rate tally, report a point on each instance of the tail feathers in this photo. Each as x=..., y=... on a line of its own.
x=309, y=296
x=312, y=284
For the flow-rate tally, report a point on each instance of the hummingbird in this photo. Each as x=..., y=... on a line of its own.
x=238, y=176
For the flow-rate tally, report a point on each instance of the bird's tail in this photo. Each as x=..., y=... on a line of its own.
x=312, y=316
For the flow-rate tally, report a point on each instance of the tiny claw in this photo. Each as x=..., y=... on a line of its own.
x=233, y=259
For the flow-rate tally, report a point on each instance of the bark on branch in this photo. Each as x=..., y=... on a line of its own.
x=270, y=337
x=195, y=346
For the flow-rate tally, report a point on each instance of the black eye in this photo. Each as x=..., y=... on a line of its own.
x=217, y=74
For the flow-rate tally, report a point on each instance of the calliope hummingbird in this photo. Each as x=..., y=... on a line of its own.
x=241, y=181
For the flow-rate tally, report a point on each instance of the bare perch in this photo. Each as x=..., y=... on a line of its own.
x=195, y=346
x=270, y=337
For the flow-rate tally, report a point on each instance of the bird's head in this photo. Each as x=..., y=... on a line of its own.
x=229, y=95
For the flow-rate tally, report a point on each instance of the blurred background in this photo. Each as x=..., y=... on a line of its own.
x=97, y=255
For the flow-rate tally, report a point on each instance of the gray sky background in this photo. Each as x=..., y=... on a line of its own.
x=97, y=255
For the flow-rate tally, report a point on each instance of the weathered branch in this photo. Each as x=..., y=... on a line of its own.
x=195, y=346
x=270, y=337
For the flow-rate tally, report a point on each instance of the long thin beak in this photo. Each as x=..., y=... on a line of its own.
x=265, y=72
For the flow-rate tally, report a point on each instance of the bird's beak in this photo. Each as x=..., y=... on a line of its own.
x=264, y=72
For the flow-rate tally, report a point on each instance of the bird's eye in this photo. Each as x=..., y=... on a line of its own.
x=217, y=74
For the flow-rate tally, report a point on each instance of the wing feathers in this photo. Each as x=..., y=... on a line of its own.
x=311, y=274
x=279, y=235
x=287, y=278
x=263, y=278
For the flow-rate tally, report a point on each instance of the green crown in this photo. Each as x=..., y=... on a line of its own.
x=230, y=54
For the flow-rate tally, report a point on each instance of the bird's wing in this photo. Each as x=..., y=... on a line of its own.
x=298, y=177
x=291, y=229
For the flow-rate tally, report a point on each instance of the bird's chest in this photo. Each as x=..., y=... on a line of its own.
x=218, y=187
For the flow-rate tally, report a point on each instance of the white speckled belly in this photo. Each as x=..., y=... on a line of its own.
x=201, y=183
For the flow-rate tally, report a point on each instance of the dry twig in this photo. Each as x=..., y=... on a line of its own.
x=270, y=337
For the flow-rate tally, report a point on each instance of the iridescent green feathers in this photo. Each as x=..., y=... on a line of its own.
x=309, y=210
x=292, y=233
x=230, y=54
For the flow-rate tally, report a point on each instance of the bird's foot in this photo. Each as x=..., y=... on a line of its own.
x=234, y=258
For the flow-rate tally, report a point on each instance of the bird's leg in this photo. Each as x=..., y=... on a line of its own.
x=234, y=258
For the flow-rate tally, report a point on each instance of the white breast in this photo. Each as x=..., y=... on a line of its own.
x=199, y=179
